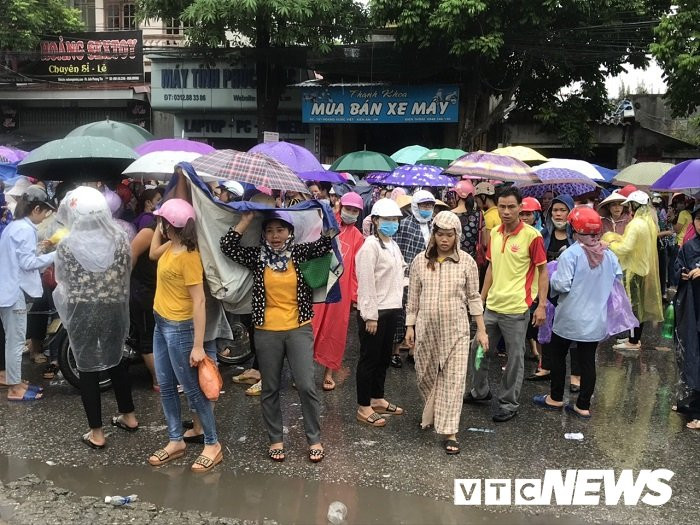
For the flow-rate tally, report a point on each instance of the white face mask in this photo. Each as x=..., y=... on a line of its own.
x=559, y=225
x=348, y=218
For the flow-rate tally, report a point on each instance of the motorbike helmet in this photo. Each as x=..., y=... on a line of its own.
x=352, y=200
x=176, y=211
x=585, y=220
x=464, y=188
x=386, y=208
x=530, y=204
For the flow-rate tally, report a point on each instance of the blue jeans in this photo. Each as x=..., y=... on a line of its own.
x=172, y=344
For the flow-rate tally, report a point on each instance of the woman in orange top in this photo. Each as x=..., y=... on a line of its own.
x=282, y=312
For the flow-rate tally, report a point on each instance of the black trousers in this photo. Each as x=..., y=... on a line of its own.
x=663, y=268
x=637, y=334
x=547, y=358
x=559, y=347
x=375, y=356
x=143, y=324
x=2, y=347
x=90, y=393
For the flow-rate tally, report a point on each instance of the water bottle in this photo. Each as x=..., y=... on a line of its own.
x=118, y=501
x=479, y=357
x=669, y=321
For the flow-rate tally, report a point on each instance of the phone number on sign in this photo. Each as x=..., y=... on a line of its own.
x=184, y=97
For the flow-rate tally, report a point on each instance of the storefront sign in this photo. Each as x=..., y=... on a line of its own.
x=86, y=57
x=235, y=126
x=381, y=104
x=198, y=86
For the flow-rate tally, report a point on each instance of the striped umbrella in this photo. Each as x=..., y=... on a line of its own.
x=254, y=168
x=484, y=165
x=418, y=175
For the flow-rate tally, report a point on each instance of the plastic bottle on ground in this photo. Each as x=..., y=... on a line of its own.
x=118, y=501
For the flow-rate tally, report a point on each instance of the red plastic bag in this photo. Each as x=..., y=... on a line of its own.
x=210, y=380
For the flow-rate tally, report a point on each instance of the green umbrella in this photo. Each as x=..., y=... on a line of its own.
x=409, y=154
x=78, y=159
x=442, y=157
x=642, y=174
x=363, y=162
x=128, y=134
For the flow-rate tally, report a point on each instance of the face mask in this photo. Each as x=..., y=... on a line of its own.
x=348, y=218
x=388, y=228
x=426, y=214
x=559, y=225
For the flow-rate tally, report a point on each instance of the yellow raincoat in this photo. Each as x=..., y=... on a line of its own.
x=636, y=250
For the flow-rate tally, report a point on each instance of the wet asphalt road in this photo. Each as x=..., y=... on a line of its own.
x=398, y=474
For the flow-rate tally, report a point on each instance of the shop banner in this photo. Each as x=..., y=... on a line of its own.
x=381, y=104
x=235, y=126
x=86, y=57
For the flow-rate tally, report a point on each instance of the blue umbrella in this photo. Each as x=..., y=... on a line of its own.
x=321, y=176
x=8, y=170
x=376, y=177
x=419, y=175
x=607, y=173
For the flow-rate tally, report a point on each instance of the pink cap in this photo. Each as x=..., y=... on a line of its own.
x=353, y=200
x=176, y=211
x=265, y=190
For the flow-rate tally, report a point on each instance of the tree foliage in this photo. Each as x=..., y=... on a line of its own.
x=24, y=22
x=677, y=49
x=528, y=51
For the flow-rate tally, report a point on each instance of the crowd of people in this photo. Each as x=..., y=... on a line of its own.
x=455, y=277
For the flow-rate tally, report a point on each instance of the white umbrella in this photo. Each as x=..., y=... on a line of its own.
x=583, y=167
x=159, y=165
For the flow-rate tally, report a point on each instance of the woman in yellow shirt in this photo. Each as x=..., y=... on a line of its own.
x=178, y=338
x=282, y=312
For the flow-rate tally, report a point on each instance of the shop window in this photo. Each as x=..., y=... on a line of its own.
x=87, y=12
x=120, y=16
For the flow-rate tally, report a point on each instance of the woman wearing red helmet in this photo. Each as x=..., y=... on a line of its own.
x=583, y=280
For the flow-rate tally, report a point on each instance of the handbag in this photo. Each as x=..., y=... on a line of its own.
x=480, y=250
x=48, y=278
x=315, y=271
x=210, y=380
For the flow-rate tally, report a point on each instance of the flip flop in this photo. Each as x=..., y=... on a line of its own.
x=541, y=401
x=391, y=408
x=276, y=454
x=373, y=420
x=162, y=457
x=118, y=421
x=328, y=385
x=451, y=443
x=206, y=463
x=571, y=410
x=316, y=455
x=90, y=443
x=29, y=395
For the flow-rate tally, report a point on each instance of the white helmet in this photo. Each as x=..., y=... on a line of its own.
x=639, y=197
x=386, y=208
x=84, y=200
x=234, y=187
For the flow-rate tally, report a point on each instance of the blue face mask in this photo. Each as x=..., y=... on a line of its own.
x=426, y=214
x=388, y=228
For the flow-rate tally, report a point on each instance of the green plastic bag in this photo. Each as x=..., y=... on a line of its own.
x=315, y=271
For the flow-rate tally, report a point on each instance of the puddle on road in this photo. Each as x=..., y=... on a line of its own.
x=258, y=496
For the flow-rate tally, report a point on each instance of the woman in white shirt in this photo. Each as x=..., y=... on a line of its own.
x=21, y=283
x=379, y=266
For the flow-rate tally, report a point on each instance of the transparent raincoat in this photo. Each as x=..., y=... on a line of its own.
x=93, y=263
x=636, y=250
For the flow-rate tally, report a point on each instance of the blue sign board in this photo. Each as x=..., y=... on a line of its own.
x=381, y=104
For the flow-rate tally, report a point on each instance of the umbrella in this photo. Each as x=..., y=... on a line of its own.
x=483, y=165
x=586, y=168
x=160, y=165
x=254, y=168
x=8, y=170
x=376, y=177
x=559, y=181
x=440, y=157
x=683, y=176
x=418, y=175
x=78, y=159
x=364, y=161
x=297, y=158
x=607, y=173
x=128, y=134
x=11, y=155
x=642, y=174
x=409, y=154
x=180, y=145
x=522, y=153
x=322, y=176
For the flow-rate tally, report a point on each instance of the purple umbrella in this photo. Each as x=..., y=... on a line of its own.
x=11, y=155
x=557, y=180
x=322, y=176
x=683, y=176
x=295, y=157
x=419, y=175
x=190, y=146
x=376, y=177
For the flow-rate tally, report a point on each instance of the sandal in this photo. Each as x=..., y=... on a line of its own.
x=90, y=443
x=390, y=408
x=29, y=395
x=316, y=455
x=118, y=421
x=206, y=463
x=50, y=371
x=694, y=424
x=571, y=409
x=276, y=454
x=451, y=447
x=373, y=420
x=246, y=378
x=328, y=385
x=162, y=457
x=38, y=359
